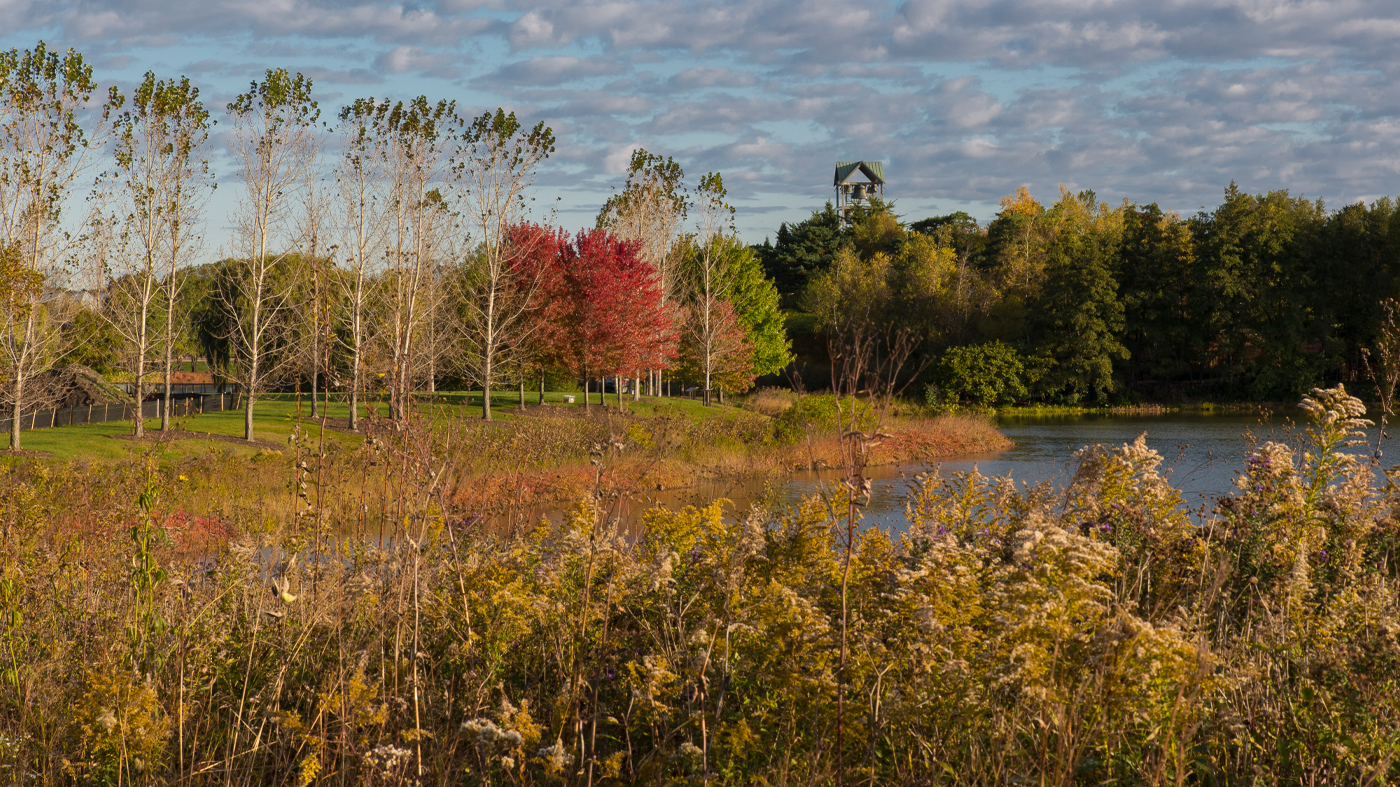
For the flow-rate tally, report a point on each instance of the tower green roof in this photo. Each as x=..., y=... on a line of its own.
x=874, y=170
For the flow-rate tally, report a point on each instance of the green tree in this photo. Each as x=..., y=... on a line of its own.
x=875, y=229
x=984, y=374
x=755, y=301
x=1077, y=316
x=1157, y=272
x=652, y=209
x=1016, y=253
x=851, y=291
x=44, y=147
x=161, y=184
x=802, y=250
x=1256, y=285
x=276, y=137
x=91, y=341
x=924, y=288
x=1354, y=252
x=959, y=221
x=493, y=169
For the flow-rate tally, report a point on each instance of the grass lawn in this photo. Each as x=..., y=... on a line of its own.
x=505, y=403
x=275, y=415
x=273, y=420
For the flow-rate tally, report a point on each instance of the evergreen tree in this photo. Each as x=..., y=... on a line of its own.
x=801, y=250
x=1157, y=281
x=1353, y=253
x=960, y=232
x=1077, y=317
x=1256, y=300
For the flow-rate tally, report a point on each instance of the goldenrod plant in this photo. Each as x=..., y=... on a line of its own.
x=1092, y=634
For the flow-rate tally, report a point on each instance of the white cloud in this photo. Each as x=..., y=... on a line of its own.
x=551, y=71
x=403, y=58
x=618, y=159
x=1157, y=99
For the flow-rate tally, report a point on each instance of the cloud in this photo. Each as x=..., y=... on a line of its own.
x=1163, y=100
x=710, y=77
x=617, y=160
x=165, y=22
x=550, y=71
x=404, y=59
x=353, y=76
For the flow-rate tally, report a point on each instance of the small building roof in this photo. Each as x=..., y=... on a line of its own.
x=874, y=170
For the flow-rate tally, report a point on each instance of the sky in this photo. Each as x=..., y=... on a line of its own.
x=1162, y=101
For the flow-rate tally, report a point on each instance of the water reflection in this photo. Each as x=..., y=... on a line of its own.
x=1202, y=455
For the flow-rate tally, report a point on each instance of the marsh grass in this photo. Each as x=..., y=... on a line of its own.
x=1088, y=635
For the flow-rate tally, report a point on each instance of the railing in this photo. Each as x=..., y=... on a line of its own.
x=105, y=413
x=177, y=389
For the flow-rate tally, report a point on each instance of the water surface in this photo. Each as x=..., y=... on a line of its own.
x=1202, y=454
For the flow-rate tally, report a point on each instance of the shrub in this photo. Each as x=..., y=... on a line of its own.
x=984, y=374
x=816, y=413
x=939, y=404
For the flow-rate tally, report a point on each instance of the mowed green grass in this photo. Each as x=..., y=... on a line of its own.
x=273, y=420
x=276, y=415
x=505, y=403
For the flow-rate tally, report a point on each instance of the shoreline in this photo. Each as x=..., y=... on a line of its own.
x=921, y=441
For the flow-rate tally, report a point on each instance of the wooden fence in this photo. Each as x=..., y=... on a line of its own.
x=104, y=413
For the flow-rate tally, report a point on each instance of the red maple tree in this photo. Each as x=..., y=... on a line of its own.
x=718, y=345
x=535, y=251
x=604, y=314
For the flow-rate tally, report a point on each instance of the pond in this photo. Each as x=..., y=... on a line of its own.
x=1201, y=456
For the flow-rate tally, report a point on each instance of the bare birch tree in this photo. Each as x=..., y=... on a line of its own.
x=709, y=279
x=360, y=219
x=161, y=185
x=189, y=184
x=494, y=167
x=441, y=331
x=44, y=153
x=651, y=208
x=275, y=139
x=315, y=310
x=131, y=300
x=419, y=135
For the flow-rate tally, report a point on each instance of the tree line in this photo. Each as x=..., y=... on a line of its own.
x=379, y=250
x=1082, y=302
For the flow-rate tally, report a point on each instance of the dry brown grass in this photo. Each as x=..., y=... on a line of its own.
x=680, y=454
x=770, y=401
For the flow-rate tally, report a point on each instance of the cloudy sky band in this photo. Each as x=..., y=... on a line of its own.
x=1162, y=100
